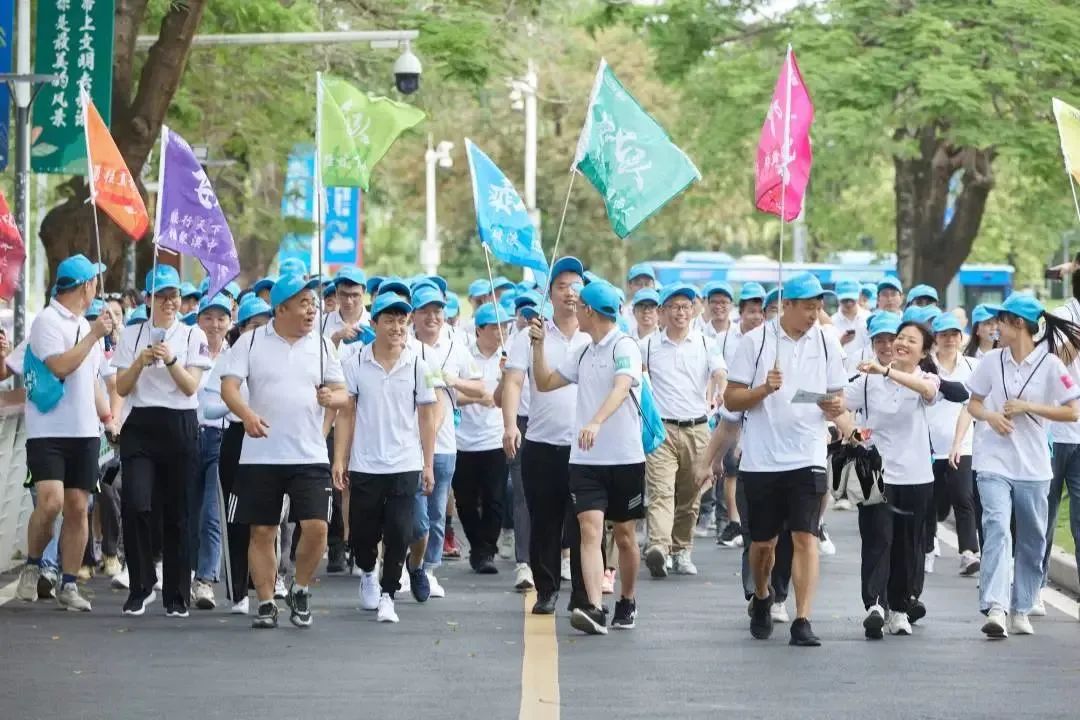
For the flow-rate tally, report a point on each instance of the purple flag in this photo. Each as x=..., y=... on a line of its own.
x=189, y=218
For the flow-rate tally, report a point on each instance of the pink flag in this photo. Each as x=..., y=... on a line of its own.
x=783, y=153
x=12, y=252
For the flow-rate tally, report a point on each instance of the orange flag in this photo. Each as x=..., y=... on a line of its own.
x=113, y=188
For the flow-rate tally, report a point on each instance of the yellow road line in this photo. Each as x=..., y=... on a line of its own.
x=539, y=666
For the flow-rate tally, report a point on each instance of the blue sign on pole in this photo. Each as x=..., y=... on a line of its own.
x=7, y=23
x=341, y=235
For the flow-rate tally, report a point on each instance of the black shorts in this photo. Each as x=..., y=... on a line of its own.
x=72, y=460
x=791, y=497
x=731, y=462
x=617, y=490
x=260, y=491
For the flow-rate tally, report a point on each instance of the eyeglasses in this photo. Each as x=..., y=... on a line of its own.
x=680, y=307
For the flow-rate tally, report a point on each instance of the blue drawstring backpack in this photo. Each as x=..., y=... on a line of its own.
x=43, y=388
x=653, y=433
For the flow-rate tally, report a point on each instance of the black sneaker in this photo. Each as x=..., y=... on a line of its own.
x=335, y=559
x=625, y=614
x=916, y=611
x=137, y=602
x=730, y=535
x=582, y=601
x=761, y=622
x=299, y=602
x=802, y=634
x=266, y=616
x=485, y=566
x=176, y=610
x=545, y=604
x=591, y=620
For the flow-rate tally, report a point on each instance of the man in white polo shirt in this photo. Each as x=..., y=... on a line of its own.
x=385, y=449
x=778, y=372
x=284, y=452
x=63, y=439
x=607, y=462
x=683, y=367
x=850, y=319
x=344, y=322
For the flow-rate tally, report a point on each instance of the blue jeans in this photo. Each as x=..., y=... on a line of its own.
x=1066, y=477
x=50, y=557
x=429, y=513
x=204, y=510
x=1003, y=497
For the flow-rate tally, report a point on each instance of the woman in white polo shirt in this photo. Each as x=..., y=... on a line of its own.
x=159, y=366
x=1015, y=390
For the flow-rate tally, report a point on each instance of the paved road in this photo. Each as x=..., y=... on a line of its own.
x=462, y=657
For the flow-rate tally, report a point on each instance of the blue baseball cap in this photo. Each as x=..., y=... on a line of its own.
x=265, y=283
x=329, y=289
x=292, y=266
x=529, y=311
x=415, y=285
x=453, y=304
x=591, y=277
x=97, y=306
x=364, y=335
x=890, y=282
x=686, y=290
x=526, y=285
x=717, y=286
x=232, y=290
x=751, y=291
x=868, y=290
x=395, y=286
x=190, y=319
x=981, y=314
x=771, y=297
x=163, y=277
x=427, y=294
x=884, y=322
x=189, y=290
x=601, y=297
x=641, y=270
x=440, y=282
x=529, y=297
x=921, y=291
x=501, y=282
x=75, y=271
x=288, y=286
x=847, y=290
x=646, y=295
x=491, y=314
x=389, y=301
x=138, y=315
x=252, y=307
x=479, y=288
x=946, y=322
x=373, y=284
x=804, y=286
x=204, y=286
x=921, y=315
x=1021, y=305
x=566, y=264
x=352, y=274
x=220, y=302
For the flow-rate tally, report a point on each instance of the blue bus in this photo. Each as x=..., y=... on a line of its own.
x=974, y=284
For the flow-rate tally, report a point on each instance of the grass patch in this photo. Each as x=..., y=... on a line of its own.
x=1062, y=535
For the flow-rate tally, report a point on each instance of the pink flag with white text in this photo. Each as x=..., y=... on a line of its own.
x=783, y=168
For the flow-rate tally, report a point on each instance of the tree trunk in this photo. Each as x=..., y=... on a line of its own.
x=137, y=116
x=927, y=251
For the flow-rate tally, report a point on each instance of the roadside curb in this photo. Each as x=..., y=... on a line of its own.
x=1063, y=570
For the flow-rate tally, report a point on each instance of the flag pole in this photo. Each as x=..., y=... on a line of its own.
x=85, y=100
x=317, y=241
x=784, y=178
x=558, y=235
x=157, y=221
x=494, y=301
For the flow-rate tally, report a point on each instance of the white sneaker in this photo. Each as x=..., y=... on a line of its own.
x=160, y=572
x=969, y=563
x=779, y=613
x=506, y=544
x=825, y=544
x=369, y=591
x=874, y=622
x=71, y=599
x=702, y=531
x=937, y=547
x=928, y=563
x=1020, y=624
x=523, y=577
x=280, y=591
x=386, y=609
x=564, y=569
x=1038, y=609
x=240, y=608
x=843, y=504
x=899, y=623
x=404, y=584
x=669, y=563
x=994, y=627
x=203, y=595
x=437, y=590
x=28, y=582
x=120, y=580
x=681, y=563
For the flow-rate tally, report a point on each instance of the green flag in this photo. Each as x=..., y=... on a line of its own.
x=627, y=156
x=356, y=130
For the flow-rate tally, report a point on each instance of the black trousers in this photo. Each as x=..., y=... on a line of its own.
x=108, y=500
x=158, y=453
x=546, y=478
x=381, y=509
x=480, y=494
x=954, y=489
x=780, y=580
x=239, y=534
x=894, y=546
x=335, y=531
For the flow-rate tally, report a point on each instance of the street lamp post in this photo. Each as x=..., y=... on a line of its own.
x=430, y=250
x=523, y=97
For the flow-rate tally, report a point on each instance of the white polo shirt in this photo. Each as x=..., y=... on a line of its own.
x=448, y=357
x=386, y=436
x=1069, y=432
x=155, y=386
x=551, y=414
x=706, y=328
x=1023, y=454
x=680, y=373
x=282, y=380
x=332, y=322
x=213, y=384
x=943, y=414
x=897, y=417
x=204, y=381
x=858, y=356
x=54, y=332
x=526, y=389
x=594, y=370
x=778, y=434
x=728, y=342
x=482, y=427
x=842, y=324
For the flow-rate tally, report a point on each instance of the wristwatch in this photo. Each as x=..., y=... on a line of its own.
x=171, y=362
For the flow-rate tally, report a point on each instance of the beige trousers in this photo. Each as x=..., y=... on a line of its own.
x=674, y=497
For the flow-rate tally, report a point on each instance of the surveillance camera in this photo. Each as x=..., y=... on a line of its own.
x=407, y=71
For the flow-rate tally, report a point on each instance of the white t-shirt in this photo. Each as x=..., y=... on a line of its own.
x=1069, y=432
x=155, y=386
x=386, y=436
x=680, y=373
x=706, y=328
x=526, y=388
x=213, y=383
x=899, y=426
x=728, y=342
x=282, y=380
x=332, y=322
x=54, y=332
x=594, y=370
x=842, y=324
x=943, y=413
x=551, y=414
x=448, y=357
x=778, y=434
x=482, y=427
x=1041, y=378
x=204, y=381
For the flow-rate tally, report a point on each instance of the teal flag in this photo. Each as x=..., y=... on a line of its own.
x=356, y=130
x=627, y=156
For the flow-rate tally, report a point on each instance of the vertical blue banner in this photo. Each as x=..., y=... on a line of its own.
x=298, y=201
x=7, y=37
x=341, y=237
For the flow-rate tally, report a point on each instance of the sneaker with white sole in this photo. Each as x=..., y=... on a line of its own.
x=564, y=569
x=137, y=603
x=280, y=591
x=825, y=544
x=299, y=602
x=656, y=561
x=437, y=590
x=27, y=589
x=523, y=577
x=1020, y=624
x=994, y=627
x=937, y=547
x=46, y=584
x=404, y=583
x=969, y=563
x=369, y=591
x=240, y=608
x=681, y=564
x=265, y=616
x=111, y=566
x=202, y=595
x=874, y=622
x=899, y=623
x=506, y=544
x=71, y=599
x=120, y=580
x=731, y=535
x=928, y=563
x=159, y=571
x=1038, y=609
x=386, y=611
x=779, y=613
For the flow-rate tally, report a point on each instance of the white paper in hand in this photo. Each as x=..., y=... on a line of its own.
x=805, y=396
